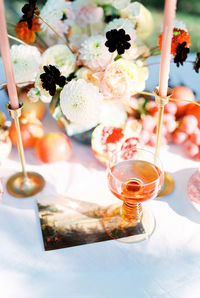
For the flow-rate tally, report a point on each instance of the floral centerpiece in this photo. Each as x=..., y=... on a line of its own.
x=88, y=61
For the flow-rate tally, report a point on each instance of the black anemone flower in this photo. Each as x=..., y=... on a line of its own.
x=117, y=40
x=197, y=63
x=181, y=53
x=50, y=78
x=28, y=12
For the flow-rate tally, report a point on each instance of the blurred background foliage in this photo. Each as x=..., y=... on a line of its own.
x=187, y=12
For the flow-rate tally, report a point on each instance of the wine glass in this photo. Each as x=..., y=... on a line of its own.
x=133, y=177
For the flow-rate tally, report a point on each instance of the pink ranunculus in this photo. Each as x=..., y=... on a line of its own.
x=114, y=83
x=89, y=14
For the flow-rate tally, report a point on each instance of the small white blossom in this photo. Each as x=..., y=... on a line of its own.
x=81, y=102
x=33, y=95
x=26, y=61
x=180, y=25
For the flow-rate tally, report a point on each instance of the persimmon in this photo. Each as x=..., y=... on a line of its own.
x=31, y=131
x=182, y=92
x=53, y=147
x=31, y=109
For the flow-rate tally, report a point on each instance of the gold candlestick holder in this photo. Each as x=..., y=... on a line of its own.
x=23, y=184
x=161, y=102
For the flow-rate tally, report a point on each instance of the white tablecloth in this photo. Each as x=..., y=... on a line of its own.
x=166, y=265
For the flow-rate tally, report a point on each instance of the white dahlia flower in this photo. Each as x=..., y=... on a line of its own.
x=26, y=61
x=125, y=24
x=61, y=57
x=52, y=13
x=81, y=102
x=94, y=54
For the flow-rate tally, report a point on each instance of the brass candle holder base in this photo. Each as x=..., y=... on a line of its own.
x=168, y=186
x=21, y=187
x=23, y=184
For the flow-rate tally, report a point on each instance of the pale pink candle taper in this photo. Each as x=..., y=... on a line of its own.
x=7, y=62
x=169, y=15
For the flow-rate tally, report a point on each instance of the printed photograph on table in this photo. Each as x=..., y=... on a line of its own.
x=67, y=222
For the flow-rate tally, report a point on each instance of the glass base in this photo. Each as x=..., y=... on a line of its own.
x=167, y=187
x=119, y=229
x=20, y=187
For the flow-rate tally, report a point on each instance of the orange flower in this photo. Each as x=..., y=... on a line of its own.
x=179, y=36
x=26, y=34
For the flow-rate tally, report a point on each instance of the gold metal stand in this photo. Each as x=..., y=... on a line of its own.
x=23, y=184
x=162, y=101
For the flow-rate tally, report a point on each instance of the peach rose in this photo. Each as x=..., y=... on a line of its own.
x=114, y=83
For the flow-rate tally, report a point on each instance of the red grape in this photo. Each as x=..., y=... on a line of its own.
x=152, y=108
x=179, y=137
x=148, y=123
x=144, y=136
x=189, y=124
x=170, y=108
x=192, y=150
x=195, y=137
x=169, y=122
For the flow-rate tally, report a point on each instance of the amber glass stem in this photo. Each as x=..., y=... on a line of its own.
x=131, y=212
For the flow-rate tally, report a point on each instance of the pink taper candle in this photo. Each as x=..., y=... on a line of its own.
x=7, y=62
x=169, y=15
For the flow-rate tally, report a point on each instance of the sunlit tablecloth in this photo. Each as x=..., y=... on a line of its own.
x=166, y=265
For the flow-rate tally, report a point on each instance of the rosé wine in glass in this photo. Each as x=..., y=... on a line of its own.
x=133, y=178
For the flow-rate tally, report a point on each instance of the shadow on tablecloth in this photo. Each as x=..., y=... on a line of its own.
x=179, y=200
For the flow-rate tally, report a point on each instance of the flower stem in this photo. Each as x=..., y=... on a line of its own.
x=154, y=48
x=57, y=34
x=171, y=98
x=21, y=83
x=17, y=39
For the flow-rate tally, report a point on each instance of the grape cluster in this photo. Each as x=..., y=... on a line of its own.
x=181, y=125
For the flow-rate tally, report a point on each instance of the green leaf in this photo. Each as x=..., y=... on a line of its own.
x=110, y=13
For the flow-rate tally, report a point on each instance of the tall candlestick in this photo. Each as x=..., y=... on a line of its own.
x=7, y=62
x=23, y=184
x=161, y=95
x=169, y=15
